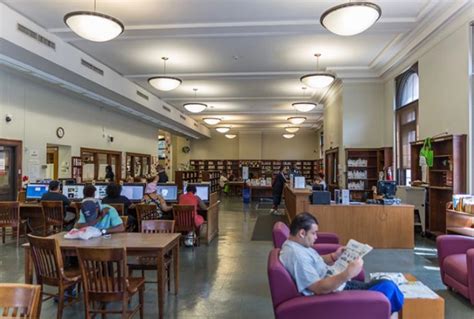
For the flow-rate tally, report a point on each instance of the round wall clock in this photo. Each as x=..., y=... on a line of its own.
x=60, y=132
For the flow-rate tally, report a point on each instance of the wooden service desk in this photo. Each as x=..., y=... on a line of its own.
x=137, y=244
x=258, y=192
x=380, y=226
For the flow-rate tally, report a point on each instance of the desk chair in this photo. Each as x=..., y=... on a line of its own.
x=10, y=217
x=183, y=216
x=146, y=212
x=120, y=208
x=19, y=300
x=53, y=217
x=49, y=270
x=104, y=272
x=149, y=263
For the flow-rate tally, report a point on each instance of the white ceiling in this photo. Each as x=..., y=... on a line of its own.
x=244, y=56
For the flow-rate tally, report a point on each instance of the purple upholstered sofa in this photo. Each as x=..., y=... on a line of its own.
x=289, y=304
x=456, y=263
x=281, y=232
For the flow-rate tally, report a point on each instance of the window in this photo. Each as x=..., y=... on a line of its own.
x=407, y=93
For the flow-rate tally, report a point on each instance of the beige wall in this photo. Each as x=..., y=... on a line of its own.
x=333, y=118
x=38, y=109
x=268, y=145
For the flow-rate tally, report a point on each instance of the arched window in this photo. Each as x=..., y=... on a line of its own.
x=406, y=104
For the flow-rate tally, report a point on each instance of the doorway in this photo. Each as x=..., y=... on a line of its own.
x=52, y=162
x=10, y=169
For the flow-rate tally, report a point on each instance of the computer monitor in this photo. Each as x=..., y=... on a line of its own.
x=36, y=190
x=133, y=191
x=202, y=190
x=74, y=192
x=318, y=187
x=100, y=190
x=168, y=191
x=387, y=188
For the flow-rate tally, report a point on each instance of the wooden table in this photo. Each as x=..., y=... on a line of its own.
x=422, y=308
x=235, y=187
x=137, y=244
x=259, y=192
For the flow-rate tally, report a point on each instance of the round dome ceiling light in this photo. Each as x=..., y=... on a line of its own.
x=319, y=79
x=164, y=83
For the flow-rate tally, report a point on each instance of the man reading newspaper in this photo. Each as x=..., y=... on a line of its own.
x=315, y=274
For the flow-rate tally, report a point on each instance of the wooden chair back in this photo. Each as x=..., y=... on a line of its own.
x=124, y=221
x=53, y=214
x=157, y=226
x=119, y=207
x=146, y=212
x=9, y=214
x=104, y=273
x=21, y=196
x=19, y=301
x=77, y=208
x=47, y=260
x=183, y=217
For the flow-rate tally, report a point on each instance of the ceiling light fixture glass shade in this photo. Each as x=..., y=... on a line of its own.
x=292, y=129
x=296, y=120
x=164, y=83
x=351, y=18
x=304, y=106
x=288, y=136
x=211, y=120
x=230, y=136
x=318, y=79
x=223, y=129
x=94, y=26
x=195, y=107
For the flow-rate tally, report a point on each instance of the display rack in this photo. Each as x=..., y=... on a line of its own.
x=446, y=177
x=362, y=171
x=213, y=177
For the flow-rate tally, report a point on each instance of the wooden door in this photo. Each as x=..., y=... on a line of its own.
x=10, y=169
x=52, y=158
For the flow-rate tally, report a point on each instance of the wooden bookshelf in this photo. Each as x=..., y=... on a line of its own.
x=185, y=176
x=457, y=222
x=76, y=171
x=331, y=164
x=362, y=165
x=213, y=177
x=385, y=159
x=445, y=178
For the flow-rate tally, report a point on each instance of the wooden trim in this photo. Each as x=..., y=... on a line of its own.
x=95, y=151
x=18, y=145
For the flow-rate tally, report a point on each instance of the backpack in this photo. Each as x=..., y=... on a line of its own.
x=427, y=152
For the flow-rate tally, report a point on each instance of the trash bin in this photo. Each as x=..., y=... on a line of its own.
x=246, y=195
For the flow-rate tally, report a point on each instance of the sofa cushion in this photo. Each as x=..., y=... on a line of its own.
x=456, y=267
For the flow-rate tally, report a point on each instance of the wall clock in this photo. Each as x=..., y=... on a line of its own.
x=60, y=132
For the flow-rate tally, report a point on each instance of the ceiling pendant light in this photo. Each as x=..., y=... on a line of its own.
x=230, y=136
x=296, y=120
x=223, y=129
x=164, y=83
x=288, y=136
x=319, y=79
x=351, y=18
x=211, y=120
x=292, y=129
x=93, y=26
x=195, y=107
x=304, y=106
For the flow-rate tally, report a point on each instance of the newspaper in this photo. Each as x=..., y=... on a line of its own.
x=353, y=250
x=410, y=289
x=396, y=277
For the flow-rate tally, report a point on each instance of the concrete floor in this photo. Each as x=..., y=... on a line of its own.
x=228, y=278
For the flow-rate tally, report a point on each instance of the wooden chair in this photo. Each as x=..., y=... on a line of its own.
x=20, y=301
x=104, y=273
x=53, y=217
x=77, y=207
x=125, y=222
x=149, y=263
x=49, y=269
x=119, y=207
x=10, y=217
x=146, y=212
x=184, y=222
x=21, y=196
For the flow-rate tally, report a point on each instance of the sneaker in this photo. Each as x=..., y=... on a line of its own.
x=272, y=211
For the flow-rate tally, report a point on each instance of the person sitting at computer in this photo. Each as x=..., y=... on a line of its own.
x=152, y=197
x=114, y=196
x=103, y=217
x=190, y=198
x=54, y=194
x=319, y=180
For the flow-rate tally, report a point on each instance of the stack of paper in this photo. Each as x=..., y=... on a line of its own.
x=354, y=250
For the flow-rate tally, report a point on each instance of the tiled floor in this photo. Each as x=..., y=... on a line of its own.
x=228, y=279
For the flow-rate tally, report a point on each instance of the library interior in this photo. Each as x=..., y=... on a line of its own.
x=237, y=159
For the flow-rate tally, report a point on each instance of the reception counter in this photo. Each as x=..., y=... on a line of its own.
x=380, y=226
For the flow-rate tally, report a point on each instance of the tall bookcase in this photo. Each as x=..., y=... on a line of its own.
x=76, y=168
x=385, y=159
x=185, y=176
x=362, y=171
x=331, y=164
x=445, y=178
x=213, y=177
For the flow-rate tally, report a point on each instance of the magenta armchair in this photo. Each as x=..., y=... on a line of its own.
x=289, y=304
x=456, y=263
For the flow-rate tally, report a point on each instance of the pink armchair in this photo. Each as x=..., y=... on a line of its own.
x=281, y=232
x=456, y=263
x=289, y=304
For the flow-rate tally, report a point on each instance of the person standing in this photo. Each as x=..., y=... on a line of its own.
x=109, y=174
x=277, y=190
x=162, y=176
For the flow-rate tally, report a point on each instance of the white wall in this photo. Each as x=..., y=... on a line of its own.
x=39, y=108
x=250, y=145
x=333, y=118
